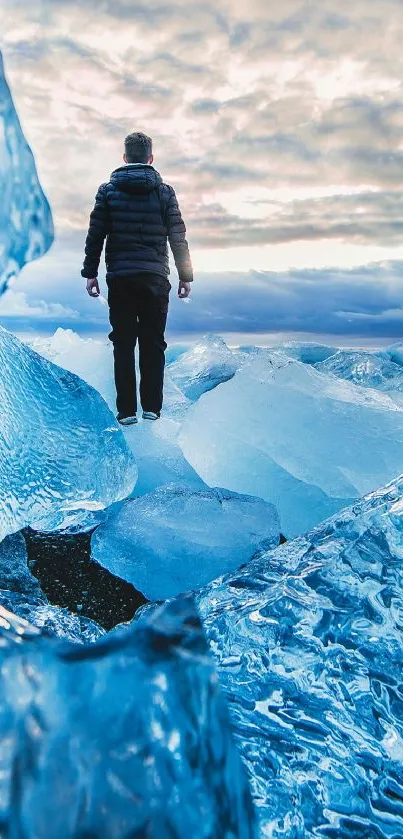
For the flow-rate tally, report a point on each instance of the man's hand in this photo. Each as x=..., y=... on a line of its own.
x=184, y=289
x=93, y=288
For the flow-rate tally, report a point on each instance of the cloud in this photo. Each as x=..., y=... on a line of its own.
x=15, y=304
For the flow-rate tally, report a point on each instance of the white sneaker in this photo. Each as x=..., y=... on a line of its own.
x=127, y=420
x=150, y=415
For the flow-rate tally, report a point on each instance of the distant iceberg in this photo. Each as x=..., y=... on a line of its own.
x=26, y=226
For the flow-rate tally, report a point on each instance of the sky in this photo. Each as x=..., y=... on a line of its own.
x=280, y=126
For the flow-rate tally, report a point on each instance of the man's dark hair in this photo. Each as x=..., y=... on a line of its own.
x=138, y=147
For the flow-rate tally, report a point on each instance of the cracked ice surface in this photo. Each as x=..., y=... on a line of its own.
x=62, y=455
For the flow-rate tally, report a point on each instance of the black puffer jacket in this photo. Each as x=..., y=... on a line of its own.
x=136, y=212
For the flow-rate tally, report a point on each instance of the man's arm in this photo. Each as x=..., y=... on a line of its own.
x=178, y=243
x=98, y=229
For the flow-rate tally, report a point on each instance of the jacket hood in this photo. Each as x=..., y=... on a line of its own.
x=136, y=178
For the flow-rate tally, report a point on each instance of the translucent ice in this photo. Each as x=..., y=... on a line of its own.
x=159, y=459
x=308, y=352
x=125, y=738
x=203, y=367
x=308, y=442
x=309, y=645
x=61, y=452
x=364, y=368
x=26, y=227
x=176, y=539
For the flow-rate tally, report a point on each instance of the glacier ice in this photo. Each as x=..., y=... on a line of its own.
x=158, y=456
x=176, y=539
x=364, y=368
x=129, y=737
x=204, y=366
x=62, y=454
x=14, y=572
x=308, y=352
x=26, y=226
x=309, y=647
x=307, y=442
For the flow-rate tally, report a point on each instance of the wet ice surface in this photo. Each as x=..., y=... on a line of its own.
x=26, y=227
x=178, y=538
x=138, y=742
x=308, y=442
x=62, y=455
x=309, y=645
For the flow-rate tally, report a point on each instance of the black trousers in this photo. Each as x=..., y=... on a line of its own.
x=138, y=308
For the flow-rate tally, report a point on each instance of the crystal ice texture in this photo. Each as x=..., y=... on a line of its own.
x=62, y=453
x=307, y=442
x=203, y=367
x=127, y=737
x=26, y=227
x=176, y=539
x=309, y=646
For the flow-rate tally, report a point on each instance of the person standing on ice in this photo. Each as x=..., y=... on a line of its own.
x=137, y=213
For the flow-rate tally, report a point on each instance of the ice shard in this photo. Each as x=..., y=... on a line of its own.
x=129, y=737
x=26, y=226
x=62, y=454
x=203, y=366
x=309, y=645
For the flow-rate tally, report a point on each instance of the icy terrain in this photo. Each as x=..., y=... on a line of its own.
x=307, y=442
x=129, y=737
x=62, y=454
x=177, y=538
x=309, y=645
x=366, y=369
x=26, y=227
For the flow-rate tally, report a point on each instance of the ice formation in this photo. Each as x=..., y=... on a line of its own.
x=61, y=452
x=128, y=737
x=364, y=368
x=308, y=352
x=203, y=367
x=307, y=442
x=176, y=539
x=26, y=227
x=309, y=646
x=159, y=458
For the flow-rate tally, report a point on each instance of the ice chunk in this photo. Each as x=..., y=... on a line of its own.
x=393, y=353
x=14, y=572
x=129, y=737
x=176, y=539
x=309, y=645
x=61, y=452
x=203, y=367
x=26, y=227
x=159, y=458
x=308, y=442
x=365, y=369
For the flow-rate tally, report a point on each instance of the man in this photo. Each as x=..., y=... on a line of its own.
x=137, y=213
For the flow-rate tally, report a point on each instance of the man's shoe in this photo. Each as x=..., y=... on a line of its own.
x=151, y=415
x=126, y=420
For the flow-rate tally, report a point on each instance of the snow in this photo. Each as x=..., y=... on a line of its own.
x=177, y=538
x=26, y=227
x=62, y=454
x=307, y=442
